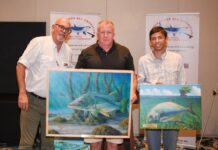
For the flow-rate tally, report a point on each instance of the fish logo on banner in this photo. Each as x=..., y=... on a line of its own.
x=82, y=28
x=178, y=29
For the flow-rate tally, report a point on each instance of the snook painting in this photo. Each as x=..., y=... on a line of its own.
x=88, y=103
x=170, y=106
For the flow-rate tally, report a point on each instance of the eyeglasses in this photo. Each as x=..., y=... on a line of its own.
x=64, y=29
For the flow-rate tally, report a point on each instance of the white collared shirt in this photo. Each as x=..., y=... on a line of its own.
x=41, y=54
x=168, y=70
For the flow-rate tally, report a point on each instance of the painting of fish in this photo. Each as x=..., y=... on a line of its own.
x=70, y=144
x=87, y=102
x=93, y=101
x=170, y=106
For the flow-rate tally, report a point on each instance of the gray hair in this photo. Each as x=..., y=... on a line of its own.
x=105, y=22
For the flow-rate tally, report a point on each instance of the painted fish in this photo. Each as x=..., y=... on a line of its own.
x=165, y=111
x=95, y=103
x=81, y=29
x=70, y=146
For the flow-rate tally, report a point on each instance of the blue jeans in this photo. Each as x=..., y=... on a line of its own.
x=169, y=139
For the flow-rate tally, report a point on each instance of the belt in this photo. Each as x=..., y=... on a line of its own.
x=37, y=96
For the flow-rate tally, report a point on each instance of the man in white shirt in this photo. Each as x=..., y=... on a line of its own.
x=41, y=53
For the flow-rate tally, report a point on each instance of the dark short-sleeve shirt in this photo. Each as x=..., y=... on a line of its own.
x=117, y=58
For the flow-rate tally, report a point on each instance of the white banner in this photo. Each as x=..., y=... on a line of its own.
x=83, y=26
x=183, y=34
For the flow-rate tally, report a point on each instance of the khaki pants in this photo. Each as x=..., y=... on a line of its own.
x=29, y=122
x=114, y=141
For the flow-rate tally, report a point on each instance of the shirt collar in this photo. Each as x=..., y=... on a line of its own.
x=54, y=46
x=163, y=56
x=98, y=48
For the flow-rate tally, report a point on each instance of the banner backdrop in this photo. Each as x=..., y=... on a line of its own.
x=83, y=28
x=183, y=34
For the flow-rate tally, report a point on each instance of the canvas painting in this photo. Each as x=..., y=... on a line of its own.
x=70, y=144
x=88, y=103
x=170, y=106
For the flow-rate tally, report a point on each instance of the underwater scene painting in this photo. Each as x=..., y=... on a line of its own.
x=170, y=106
x=88, y=103
x=70, y=144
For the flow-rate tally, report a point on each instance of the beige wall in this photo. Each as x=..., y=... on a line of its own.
x=129, y=18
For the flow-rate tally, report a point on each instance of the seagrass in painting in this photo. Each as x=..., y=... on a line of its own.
x=88, y=103
x=170, y=106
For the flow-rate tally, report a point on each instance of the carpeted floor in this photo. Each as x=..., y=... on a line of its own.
x=207, y=143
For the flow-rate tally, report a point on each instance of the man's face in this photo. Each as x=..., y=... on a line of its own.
x=158, y=42
x=61, y=30
x=105, y=35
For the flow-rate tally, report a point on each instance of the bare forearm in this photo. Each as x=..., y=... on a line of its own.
x=135, y=82
x=22, y=98
x=20, y=70
x=134, y=88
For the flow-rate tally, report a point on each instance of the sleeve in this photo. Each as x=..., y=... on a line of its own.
x=182, y=74
x=81, y=62
x=141, y=72
x=30, y=54
x=130, y=62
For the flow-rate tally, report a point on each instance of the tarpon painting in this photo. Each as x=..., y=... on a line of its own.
x=170, y=106
x=90, y=103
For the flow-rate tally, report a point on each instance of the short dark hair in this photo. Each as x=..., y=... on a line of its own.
x=156, y=29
